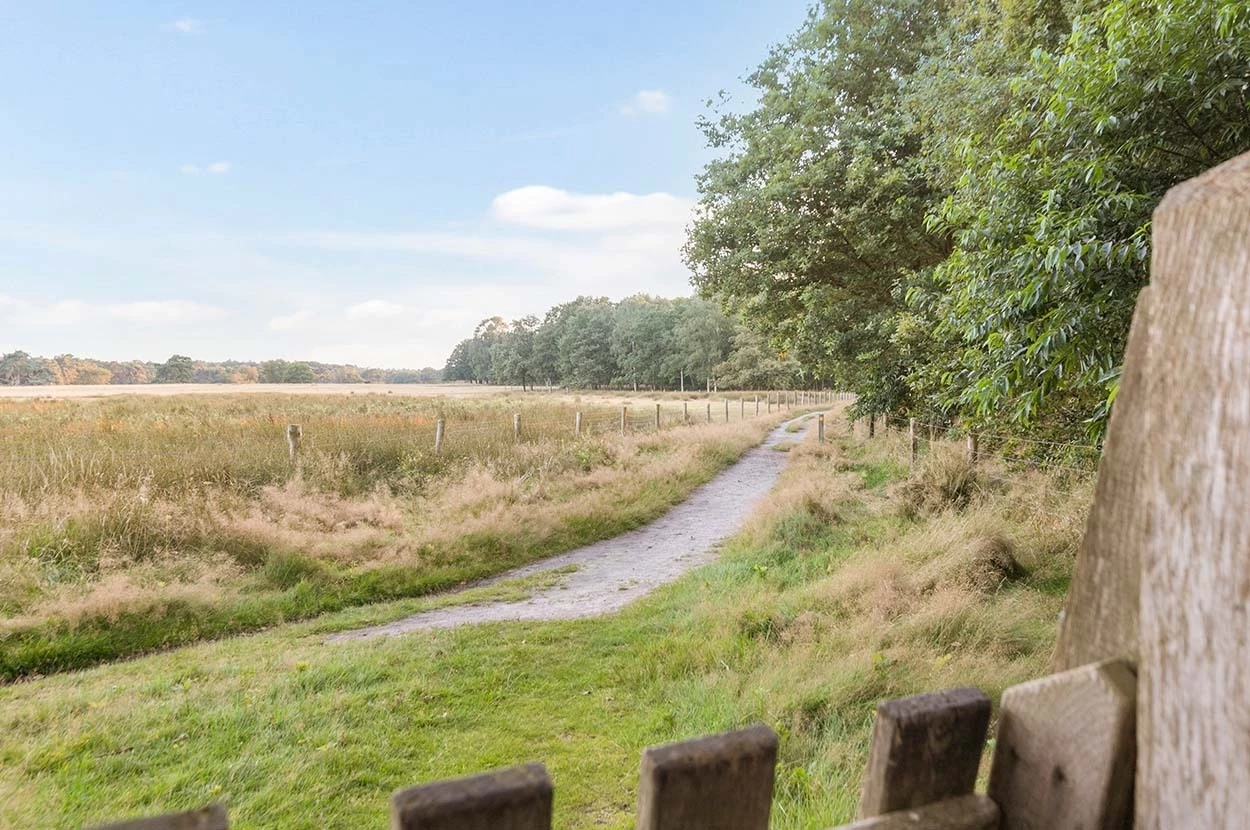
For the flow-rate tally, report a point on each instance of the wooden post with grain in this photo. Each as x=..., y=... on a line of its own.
x=439, y=427
x=517, y=798
x=294, y=434
x=820, y=428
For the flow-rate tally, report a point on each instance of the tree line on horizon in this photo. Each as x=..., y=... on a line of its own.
x=945, y=206
x=641, y=342
x=18, y=368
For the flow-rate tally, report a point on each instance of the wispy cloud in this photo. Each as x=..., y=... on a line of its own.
x=647, y=102
x=291, y=322
x=373, y=309
x=73, y=311
x=188, y=26
x=217, y=168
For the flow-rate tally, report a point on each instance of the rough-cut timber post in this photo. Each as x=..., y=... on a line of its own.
x=1100, y=619
x=1194, y=716
x=925, y=748
x=624, y=416
x=516, y=426
x=294, y=434
x=974, y=451
x=206, y=818
x=726, y=410
x=439, y=426
x=1063, y=758
x=657, y=417
x=968, y=812
x=872, y=426
x=757, y=404
x=517, y=798
x=913, y=440
x=685, y=412
x=725, y=781
x=709, y=412
x=742, y=409
x=820, y=428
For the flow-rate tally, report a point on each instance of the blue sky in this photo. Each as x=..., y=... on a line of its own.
x=347, y=182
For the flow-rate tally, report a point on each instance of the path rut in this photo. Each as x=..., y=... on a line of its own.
x=615, y=572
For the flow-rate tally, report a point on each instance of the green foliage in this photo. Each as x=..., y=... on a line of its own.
x=946, y=206
x=640, y=342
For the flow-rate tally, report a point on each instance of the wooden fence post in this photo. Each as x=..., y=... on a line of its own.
x=757, y=404
x=657, y=417
x=973, y=450
x=820, y=428
x=518, y=798
x=913, y=440
x=294, y=434
x=685, y=412
x=516, y=426
x=1063, y=757
x=577, y=425
x=925, y=748
x=1194, y=485
x=624, y=411
x=709, y=412
x=439, y=426
x=872, y=426
x=207, y=818
x=725, y=781
x=742, y=409
x=726, y=410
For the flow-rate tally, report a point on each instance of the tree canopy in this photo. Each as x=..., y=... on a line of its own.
x=945, y=206
x=641, y=342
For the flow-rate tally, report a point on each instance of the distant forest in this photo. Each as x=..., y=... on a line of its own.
x=21, y=369
x=641, y=342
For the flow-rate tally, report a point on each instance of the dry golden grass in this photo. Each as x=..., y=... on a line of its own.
x=112, y=518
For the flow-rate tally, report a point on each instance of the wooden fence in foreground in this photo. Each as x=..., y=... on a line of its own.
x=1147, y=722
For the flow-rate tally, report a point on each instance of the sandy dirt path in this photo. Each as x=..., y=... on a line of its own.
x=615, y=572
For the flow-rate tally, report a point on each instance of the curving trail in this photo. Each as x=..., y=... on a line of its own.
x=615, y=572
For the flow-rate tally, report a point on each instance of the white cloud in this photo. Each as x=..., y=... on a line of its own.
x=73, y=312
x=373, y=309
x=217, y=168
x=647, y=102
x=549, y=208
x=188, y=26
x=290, y=322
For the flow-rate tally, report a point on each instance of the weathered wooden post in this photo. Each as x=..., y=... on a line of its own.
x=974, y=452
x=726, y=410
x=757, y=404
x=516, y=426
x=657, y=417
x=709, y=412
x=913, y=440
x=577, y=425
x=820, y=428
x=439, y=426
x=742, y=409
x=925, y=749
x=872, y=426
x=685, y=412
x=769, y=396
x=294, y=434
x=518, y=798
x=624, y=418
x=710, y=783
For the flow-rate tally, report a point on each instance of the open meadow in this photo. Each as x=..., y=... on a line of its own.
x=135, y=523
x=860, y=579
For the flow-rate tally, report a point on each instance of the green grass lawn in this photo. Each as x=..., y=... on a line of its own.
x=834, y=597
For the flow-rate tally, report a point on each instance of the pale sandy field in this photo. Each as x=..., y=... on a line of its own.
x=461, y=390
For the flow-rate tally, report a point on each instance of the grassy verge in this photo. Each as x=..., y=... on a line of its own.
x=123, y=572
x=855, y=583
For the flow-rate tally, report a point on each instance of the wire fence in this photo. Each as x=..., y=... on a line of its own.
x=190, y=450
x=923, y=438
